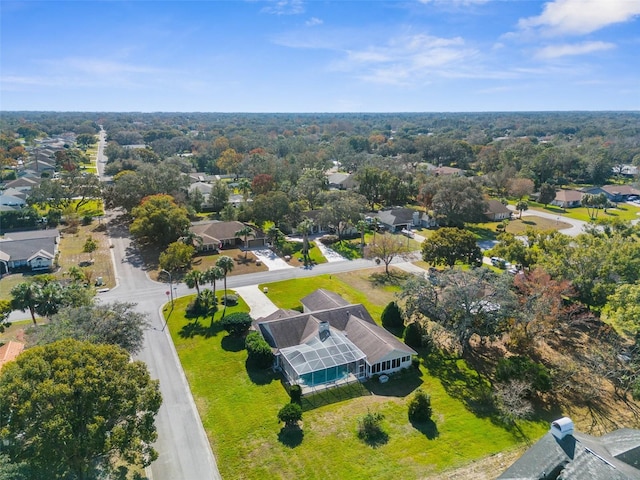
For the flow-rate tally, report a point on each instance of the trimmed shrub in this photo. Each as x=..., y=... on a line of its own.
x=420, y=407
x=329, y=239
x=290, y=414
x=87, y=219
x=392, y=316
x=259, y=351
x=295, y=392
x=236, y=323
x=230, y=300
x=413, y=335
x=523, y=368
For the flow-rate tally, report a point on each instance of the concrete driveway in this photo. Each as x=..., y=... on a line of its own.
x=270, y=259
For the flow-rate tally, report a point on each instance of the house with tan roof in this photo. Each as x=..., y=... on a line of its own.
x=331, y=342
x=217, y=235
x=568, y=199
x=10, y=351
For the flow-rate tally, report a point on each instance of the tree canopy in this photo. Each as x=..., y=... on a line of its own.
x=159, y=220
x=449, y=245
x=71, y=408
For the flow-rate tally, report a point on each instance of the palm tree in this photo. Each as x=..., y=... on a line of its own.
x=226, y=264
x=275, y=236
x=244, y=185
x=521, y=206
x=362, y=227
x=244, y=233
x=194, y=279
x=50, y=297
x=26, y=296
x=211, y=275
x=305, y=228
x=209, y=302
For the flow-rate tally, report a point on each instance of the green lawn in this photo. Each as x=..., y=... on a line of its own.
x=624, y=212
x=238, y=407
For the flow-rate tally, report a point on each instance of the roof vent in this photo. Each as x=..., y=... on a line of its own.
x=562, y=427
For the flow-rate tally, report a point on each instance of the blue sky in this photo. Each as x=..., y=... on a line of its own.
x=320, y=56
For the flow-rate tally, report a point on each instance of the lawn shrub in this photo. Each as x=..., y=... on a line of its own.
x=392, y=316
x=86, y=220
x=290, y=414
x=295, y=392
x=196, y=308
x=259, y=351
x=413, y=335
x=420, y=407
x=370, y=428
x=230, y=300
x=236, y=323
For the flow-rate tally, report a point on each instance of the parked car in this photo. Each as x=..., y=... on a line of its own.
x=499, y=262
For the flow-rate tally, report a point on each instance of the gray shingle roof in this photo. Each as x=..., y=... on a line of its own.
x=21, y=246
x=322, y=299
x=579, y=457
x=282, y=331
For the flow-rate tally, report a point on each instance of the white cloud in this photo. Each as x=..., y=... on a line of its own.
x=409, y=59
x=284, y=7
x=580, y=17
x=556, y=51
x=313, y=21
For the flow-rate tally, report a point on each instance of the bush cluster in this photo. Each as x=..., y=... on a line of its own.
x=523, y=368
x=259, y=351
x=420, y=407
x=370, y=427
x=236, y=323
x=392, y=316
x=230, y=300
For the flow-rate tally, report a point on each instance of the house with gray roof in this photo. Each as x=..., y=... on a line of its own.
x=400, y=218
x=614, y=193
x=563, y=453
x=331, y=342
x=33, y=250
x=342, y=181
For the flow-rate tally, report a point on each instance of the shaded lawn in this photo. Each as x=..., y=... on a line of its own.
x=238, y=407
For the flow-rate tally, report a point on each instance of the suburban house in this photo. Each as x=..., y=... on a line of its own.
x=331, y=342
x=567, y=454
x=444, y=170
x=10, y=351
x=626, y=170
x=217, y=235
x=23, y=184
x=400, y=218
x=497, y=211
x=567, y=198
x=341, y=181
x=9, y=200
x=614, y=193
x=32, y=250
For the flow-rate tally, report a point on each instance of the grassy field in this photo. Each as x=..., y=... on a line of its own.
x=98, y=264
x=623, y=211
x=238, y=407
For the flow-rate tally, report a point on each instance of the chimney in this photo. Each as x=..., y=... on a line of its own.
x=562, y=427
x=323, y=330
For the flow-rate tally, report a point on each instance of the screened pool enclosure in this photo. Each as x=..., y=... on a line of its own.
x=325, y=358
